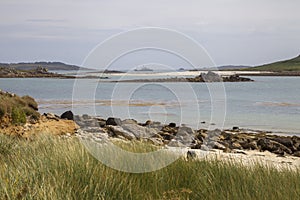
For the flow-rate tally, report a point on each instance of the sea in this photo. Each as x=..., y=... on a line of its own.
x=267, y=103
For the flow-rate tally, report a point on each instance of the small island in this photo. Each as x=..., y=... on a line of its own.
x=203, y=77
x=39, y=72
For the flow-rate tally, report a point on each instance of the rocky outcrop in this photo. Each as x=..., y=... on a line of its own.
x=235, y=140
x=214, y=77
x=39, y=72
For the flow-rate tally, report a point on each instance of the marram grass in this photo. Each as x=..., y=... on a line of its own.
x=57, y=168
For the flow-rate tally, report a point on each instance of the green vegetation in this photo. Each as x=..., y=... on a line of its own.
x=59, y=168
x=18, y=116
x=286, y=65
x=18, y=108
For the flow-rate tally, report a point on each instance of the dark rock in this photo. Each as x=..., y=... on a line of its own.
x=297, y=154
x=113, y=121
x=148, y=122
x=67, y=115
x=286, y=141
x=236, y=78
x=249, y=145
x=197, y=144
x=171, y=130
x=101, y=122
x=272, y=146
x=235, y=128
x=172, y=125
x=166, y=135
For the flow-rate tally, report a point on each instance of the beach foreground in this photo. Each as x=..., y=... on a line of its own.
x=49, y=157
x=49, y=167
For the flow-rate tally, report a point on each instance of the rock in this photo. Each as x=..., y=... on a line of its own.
x=235, y=128
x=175, y=143
x=101, y=122
x=201, y=134
x=51, y=116
x=129, y=121
x=297, y=154
x=140, y=131
x=166, y=135
x=172, y=125
x=236, y=145
x=67, y=115
x=249, y=145
x=286, y=141
x=216, y=145
x=236, y=78
x=213, y=133
x=205, y=148
x=85, y=116
x=185, y=130
x=119, y=131
x=113, y=121
x=148, y=122
x=211, y=77
x=157, y=125
x=168, y=129
x=196, y=144
x=185, y=135
x=272, y=146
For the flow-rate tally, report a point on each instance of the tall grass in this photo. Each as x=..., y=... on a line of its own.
x=57, y=168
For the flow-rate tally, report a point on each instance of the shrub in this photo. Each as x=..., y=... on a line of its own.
x=31, y=103
x=18, y=116
x=2, y=110
x=31, y=113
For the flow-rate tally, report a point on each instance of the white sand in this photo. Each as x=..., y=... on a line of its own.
x=185, y=73
x=250, y=158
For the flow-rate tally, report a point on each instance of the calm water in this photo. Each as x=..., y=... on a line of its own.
x=269, y=103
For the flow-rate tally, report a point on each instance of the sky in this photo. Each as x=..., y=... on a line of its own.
x=238, y=32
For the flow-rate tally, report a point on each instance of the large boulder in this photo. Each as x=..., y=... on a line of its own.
x=272, y=146
x=211, y=77
x=67, y=115
x=114, y=121
x=117, y=131
x=185, y=135
x=140, y=131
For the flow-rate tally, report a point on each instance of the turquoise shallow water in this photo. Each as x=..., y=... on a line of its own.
x=269, y=103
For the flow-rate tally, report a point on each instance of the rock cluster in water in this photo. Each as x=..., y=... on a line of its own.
x=235, y=140
x=203, y=77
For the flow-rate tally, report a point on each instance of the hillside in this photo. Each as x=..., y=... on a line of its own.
x=290, y=65
x=49, y=65
x=232, y=67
